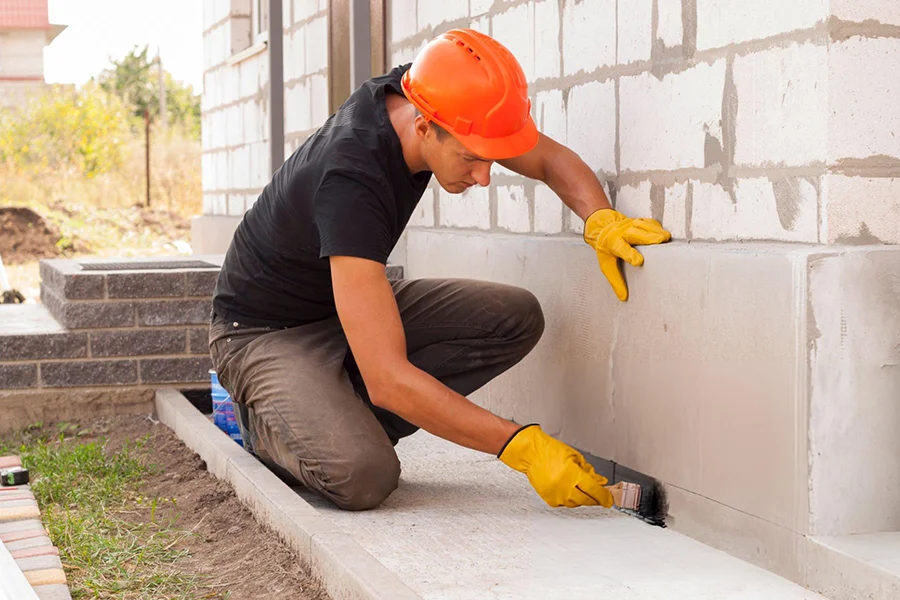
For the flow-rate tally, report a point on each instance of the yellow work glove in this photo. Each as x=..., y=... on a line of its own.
x=557, y=472
x=612, y=235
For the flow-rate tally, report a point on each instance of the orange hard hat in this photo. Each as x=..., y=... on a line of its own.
x=472, y=86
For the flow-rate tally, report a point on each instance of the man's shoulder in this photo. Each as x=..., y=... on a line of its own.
x=393, y=77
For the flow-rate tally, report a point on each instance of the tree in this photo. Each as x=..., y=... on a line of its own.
x=135, y=80
x=65, y=130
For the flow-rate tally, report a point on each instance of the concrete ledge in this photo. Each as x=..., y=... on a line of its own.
x=854, y=566
x=345, y=568
x=212, y=234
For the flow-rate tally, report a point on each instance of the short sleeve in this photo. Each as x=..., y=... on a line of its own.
x=351, y=219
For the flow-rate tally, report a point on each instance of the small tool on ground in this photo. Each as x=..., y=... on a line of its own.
x=13, y=476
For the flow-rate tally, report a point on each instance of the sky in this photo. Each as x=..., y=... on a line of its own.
x=100, y=29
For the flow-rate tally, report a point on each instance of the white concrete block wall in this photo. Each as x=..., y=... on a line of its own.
x=591, y=124
x=701, y=101
x=670, y=30
x=664, y=123
x=470, y=210
x=514, y=28
x=635, y=200
x=401, y=19
x=479, y=7
x=724, y=22
x=883, y=11
x=547, y=210
x=763, y=210
x=675, y=210
x=550, y=114
x=589, y=35
x=424, y=213
x=295, y=54
x=864, y=119
x=306, y=8
x=318, y=85
x=547, y=51
x=432, y=13
x=316, y=36
x=782, y=106
x=513, y=209
x=234, y=106
x=862, y=209
x=635, y=19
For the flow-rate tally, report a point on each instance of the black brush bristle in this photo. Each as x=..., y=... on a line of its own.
x=654, y=506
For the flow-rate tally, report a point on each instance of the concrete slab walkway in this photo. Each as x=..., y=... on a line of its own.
x=462, y=525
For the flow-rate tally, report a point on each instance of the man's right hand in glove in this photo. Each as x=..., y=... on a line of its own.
x=557, y=472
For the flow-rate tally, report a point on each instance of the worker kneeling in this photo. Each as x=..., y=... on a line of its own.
x=329, y=363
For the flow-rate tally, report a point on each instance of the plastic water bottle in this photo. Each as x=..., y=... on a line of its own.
x=223, y=409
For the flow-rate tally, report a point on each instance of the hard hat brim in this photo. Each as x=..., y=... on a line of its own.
x=510, y=146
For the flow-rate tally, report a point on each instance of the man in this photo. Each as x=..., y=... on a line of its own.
x=329, y=363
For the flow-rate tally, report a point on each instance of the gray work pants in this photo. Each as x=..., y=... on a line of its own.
x=306, y=412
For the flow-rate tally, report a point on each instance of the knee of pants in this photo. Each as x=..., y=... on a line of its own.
x=526, y=323
x=366, y=479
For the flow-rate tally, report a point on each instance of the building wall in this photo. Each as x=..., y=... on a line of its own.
x=22, y=54
x=727, y=120
x=743, y=371
x=235, y=103
x=21, y=65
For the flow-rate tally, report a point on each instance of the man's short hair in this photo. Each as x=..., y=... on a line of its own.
x=439, y=131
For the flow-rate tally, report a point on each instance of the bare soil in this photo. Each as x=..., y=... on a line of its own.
x=243, y=558
x=25, y=236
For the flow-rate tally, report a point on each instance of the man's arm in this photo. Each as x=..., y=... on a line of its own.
x=610, y=233
x=565, y=173
x=371, y=321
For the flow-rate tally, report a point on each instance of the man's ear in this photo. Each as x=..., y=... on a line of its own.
x=422, y=126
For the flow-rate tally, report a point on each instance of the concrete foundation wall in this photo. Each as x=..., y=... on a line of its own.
x=762, y=378
x=854, y=342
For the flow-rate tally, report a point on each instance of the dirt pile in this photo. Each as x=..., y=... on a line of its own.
x=25, y=236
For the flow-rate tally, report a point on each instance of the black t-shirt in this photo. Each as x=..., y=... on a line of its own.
x=347, y=191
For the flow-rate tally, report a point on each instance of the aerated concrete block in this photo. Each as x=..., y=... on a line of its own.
x=591, y=124
x=589, y=35
x=782, y=109
x=687, y=106
x=725, y=22
x=862, y=120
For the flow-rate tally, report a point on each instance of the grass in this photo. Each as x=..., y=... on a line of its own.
x=89, y=497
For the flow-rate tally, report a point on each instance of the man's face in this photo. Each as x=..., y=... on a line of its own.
x=455, y=168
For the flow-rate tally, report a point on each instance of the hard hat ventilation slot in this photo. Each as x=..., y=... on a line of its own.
x=462, y=44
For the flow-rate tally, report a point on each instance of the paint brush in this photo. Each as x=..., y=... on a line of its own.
x=634, y=493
